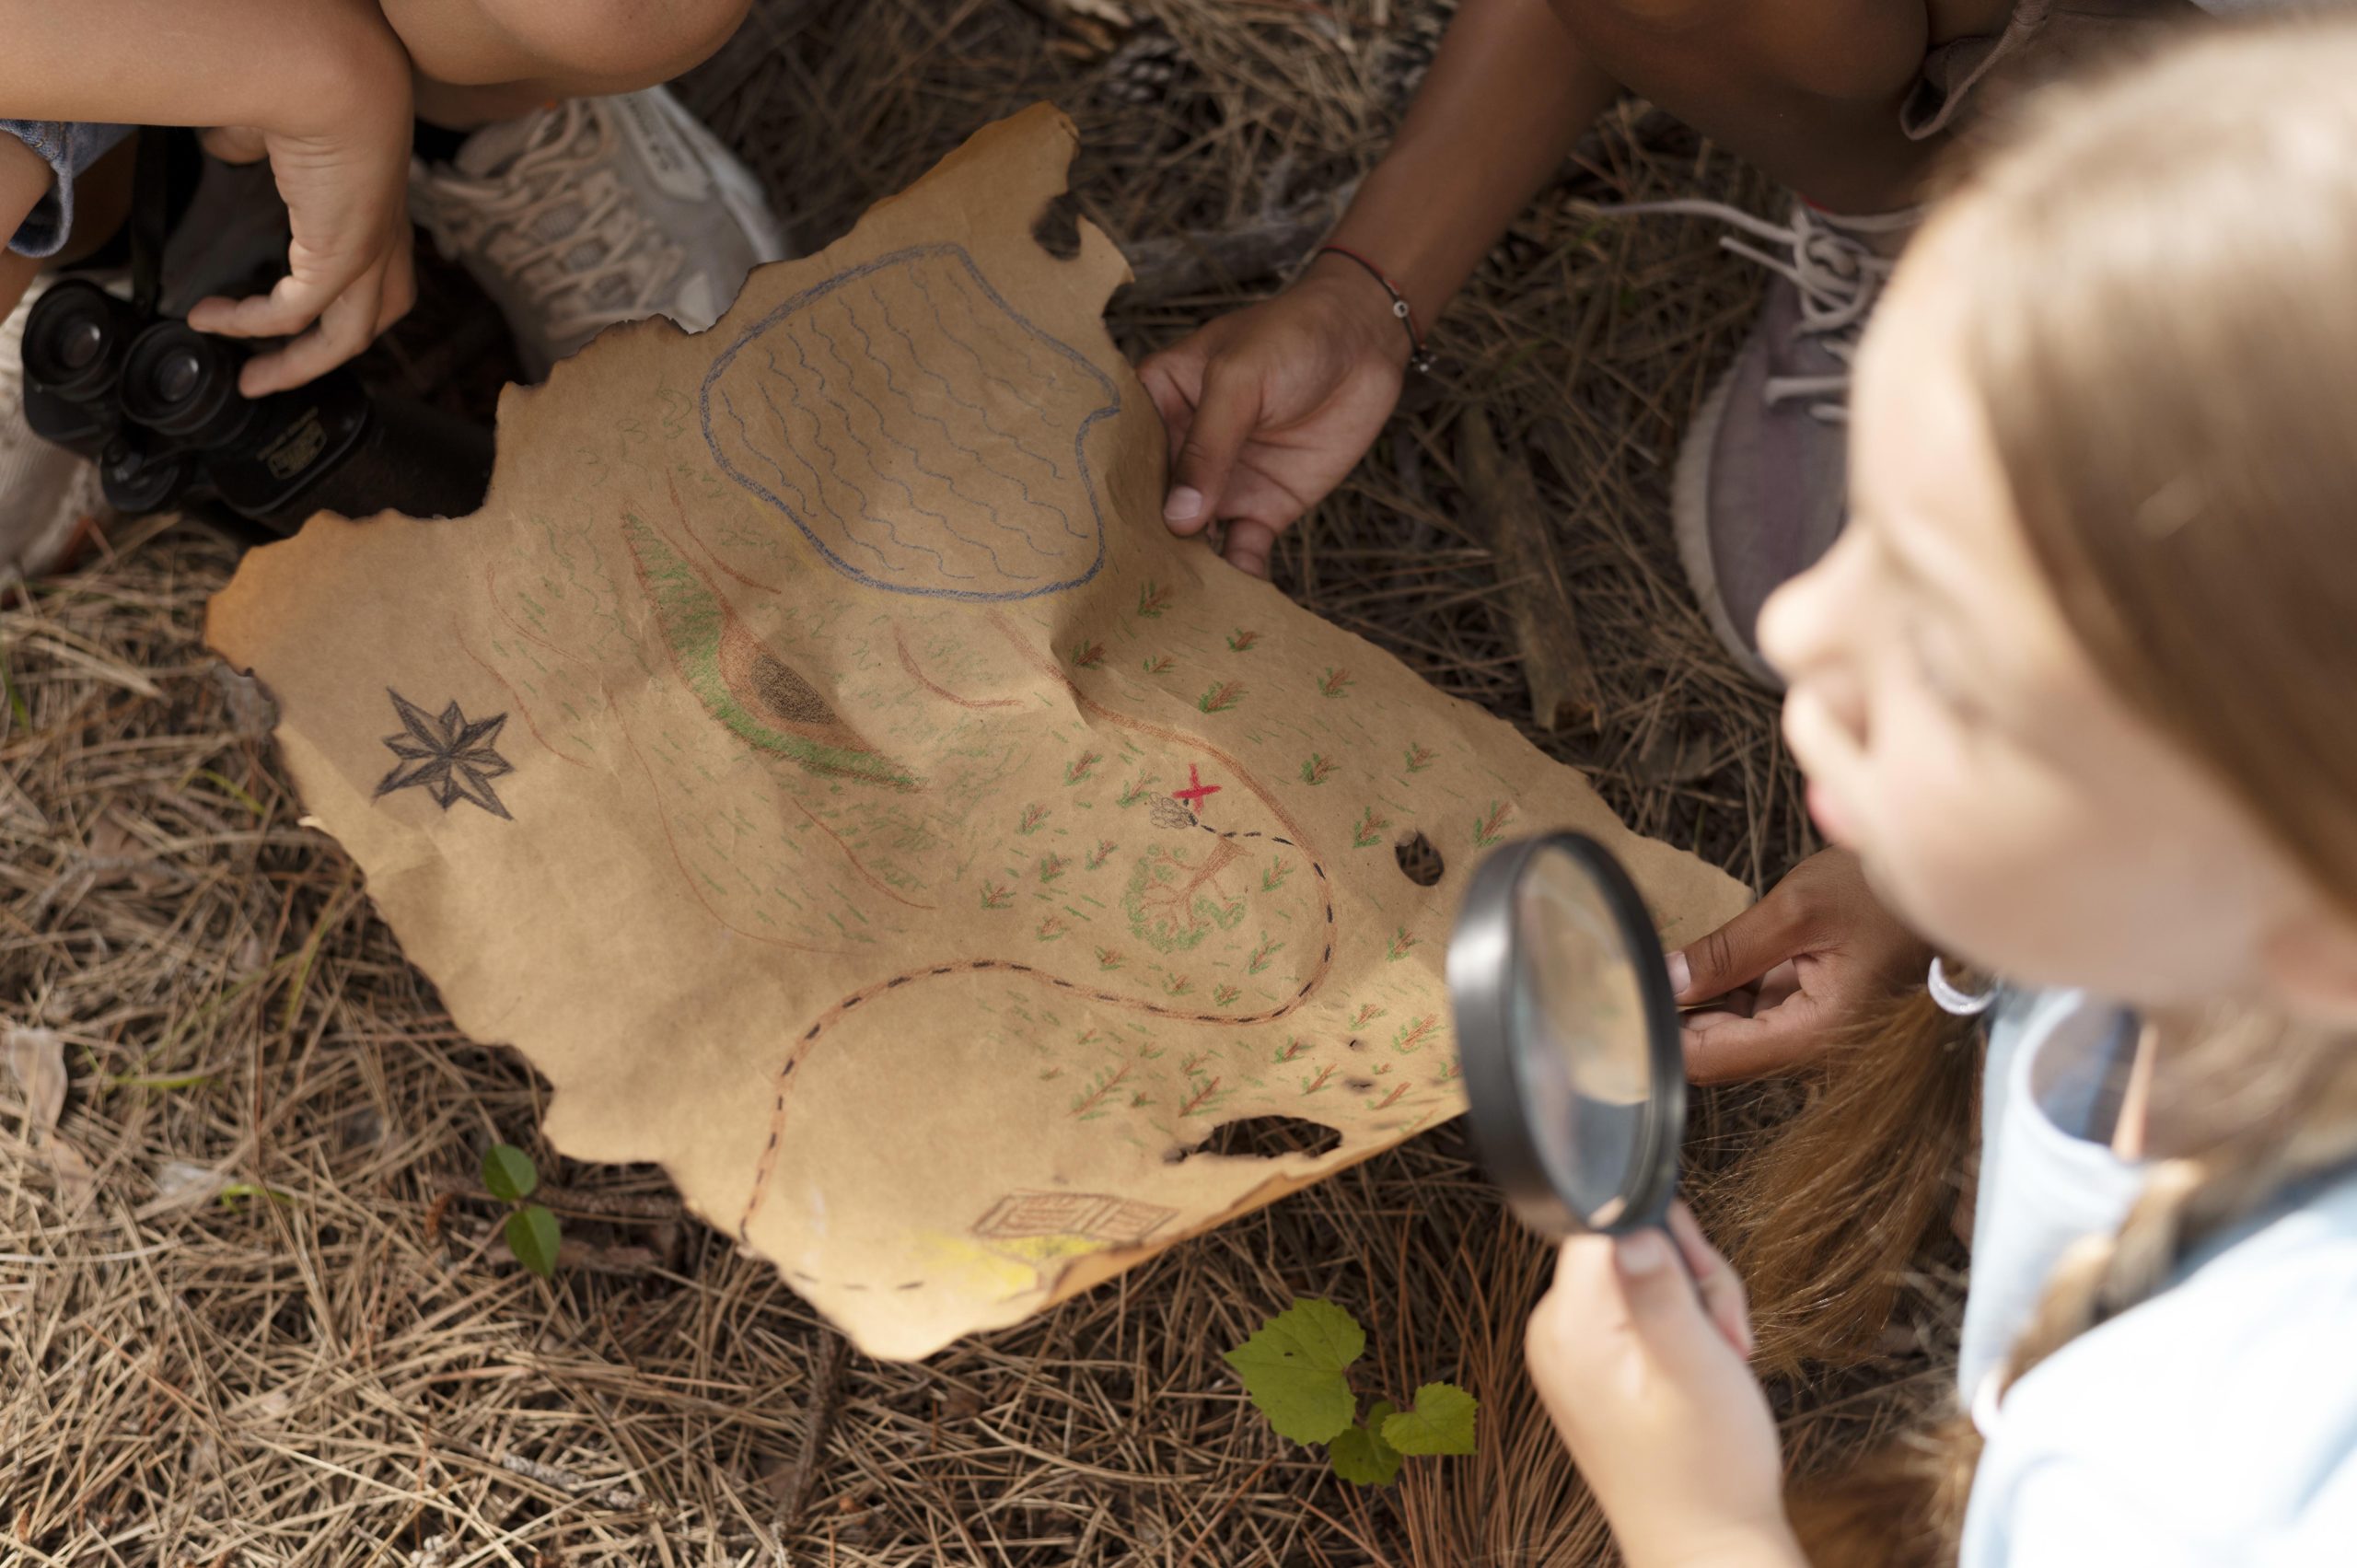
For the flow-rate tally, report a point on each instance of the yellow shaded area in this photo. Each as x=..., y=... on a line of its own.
x=1002, y=1266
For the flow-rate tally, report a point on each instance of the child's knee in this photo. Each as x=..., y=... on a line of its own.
x=618, y=43
x=1660, y=19
x=1846, y=50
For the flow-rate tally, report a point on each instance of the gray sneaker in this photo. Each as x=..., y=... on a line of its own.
x=599, y=211
x=1761, y=489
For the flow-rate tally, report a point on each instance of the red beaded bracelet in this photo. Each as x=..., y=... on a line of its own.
x=1420, y=358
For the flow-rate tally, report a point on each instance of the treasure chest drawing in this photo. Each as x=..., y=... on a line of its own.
x=1100, y=1217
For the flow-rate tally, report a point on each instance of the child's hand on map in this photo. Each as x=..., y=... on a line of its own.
x=1269, y=407
x=1817, y=954
x=1641, y=1364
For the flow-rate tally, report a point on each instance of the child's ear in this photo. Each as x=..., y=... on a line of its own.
x=2310, y=961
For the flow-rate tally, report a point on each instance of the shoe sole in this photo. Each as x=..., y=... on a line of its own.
x=1690, y=511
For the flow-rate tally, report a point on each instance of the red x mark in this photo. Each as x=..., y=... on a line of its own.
x=1195, y=792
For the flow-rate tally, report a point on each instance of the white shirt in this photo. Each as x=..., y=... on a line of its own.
x=2214, y=1424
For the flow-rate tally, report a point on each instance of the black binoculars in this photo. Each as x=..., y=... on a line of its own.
x=155, y=403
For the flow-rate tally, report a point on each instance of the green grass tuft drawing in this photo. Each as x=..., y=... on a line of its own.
x=1089, y=1104
x=1415, y=1034
x=1222, y=697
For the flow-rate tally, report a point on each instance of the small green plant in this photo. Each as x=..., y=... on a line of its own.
x=1298, y=1370
x=531, y=1230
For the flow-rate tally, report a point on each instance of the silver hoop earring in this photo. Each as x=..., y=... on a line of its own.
x=1956, y=1002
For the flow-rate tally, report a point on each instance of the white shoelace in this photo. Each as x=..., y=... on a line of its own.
x=1838, y=274
x=547, y=174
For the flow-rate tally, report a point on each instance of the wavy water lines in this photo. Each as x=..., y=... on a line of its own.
x=983, y=415
x=947, y=486
x=948, y=482
x=834, y=458
x=884, y=430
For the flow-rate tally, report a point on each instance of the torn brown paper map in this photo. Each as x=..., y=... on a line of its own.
x=819, y=760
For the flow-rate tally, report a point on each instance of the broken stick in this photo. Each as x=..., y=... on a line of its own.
x=1546, y=627
x=827, y=1363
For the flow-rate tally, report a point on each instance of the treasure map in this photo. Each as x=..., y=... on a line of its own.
x=818, y=759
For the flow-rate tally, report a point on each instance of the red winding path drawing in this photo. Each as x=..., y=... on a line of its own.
x=809, y=1038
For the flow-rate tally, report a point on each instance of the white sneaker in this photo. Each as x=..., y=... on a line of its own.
x=599, y=211
x=50, y=499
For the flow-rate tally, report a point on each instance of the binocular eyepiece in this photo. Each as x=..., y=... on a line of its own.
x=155, y=405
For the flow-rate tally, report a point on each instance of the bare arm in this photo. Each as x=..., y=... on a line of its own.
x=319, y=87
x=1507, y=98
x=1268, y=408
x=258, y=63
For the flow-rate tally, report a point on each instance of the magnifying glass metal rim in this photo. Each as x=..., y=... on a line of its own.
x=1485, y=955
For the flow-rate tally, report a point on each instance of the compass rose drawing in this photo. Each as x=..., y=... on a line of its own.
x=449, y=756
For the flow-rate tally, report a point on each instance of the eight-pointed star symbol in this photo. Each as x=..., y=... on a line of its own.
x=451, y=758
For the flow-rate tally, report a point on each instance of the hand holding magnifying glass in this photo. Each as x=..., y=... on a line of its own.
x=1575, y=1071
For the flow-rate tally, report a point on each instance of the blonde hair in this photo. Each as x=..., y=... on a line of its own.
x=2161, y=325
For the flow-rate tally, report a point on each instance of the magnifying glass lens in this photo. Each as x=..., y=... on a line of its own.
x=1580, y=1037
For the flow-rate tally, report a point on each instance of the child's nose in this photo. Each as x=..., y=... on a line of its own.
x=1802, y=625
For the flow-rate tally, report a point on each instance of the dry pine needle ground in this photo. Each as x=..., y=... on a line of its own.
x=280, y=1327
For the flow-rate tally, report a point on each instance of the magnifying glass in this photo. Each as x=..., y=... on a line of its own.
x=1568, y=1032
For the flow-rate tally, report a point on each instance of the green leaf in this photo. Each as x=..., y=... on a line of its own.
x=533, y=1236
x=177, y=1081
x=233, y=1197
x=509, y=1172
x=1361, y=1454
x=1292, y=1370
x=1441, y=1422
